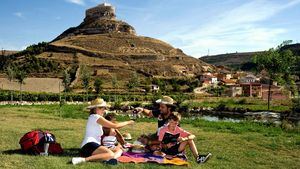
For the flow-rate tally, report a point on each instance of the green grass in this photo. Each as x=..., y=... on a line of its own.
x=233, y=145
x=253, y=104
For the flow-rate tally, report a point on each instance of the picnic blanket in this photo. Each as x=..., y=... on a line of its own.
x=129, y=157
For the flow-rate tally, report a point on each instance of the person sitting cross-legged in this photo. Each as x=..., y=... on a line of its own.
x=91, y=147
x=174, y=140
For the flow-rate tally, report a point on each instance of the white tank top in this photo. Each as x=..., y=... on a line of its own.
x=93, y=131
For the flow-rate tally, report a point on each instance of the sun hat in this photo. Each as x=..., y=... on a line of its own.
x=97, y=103
x=127, y=136
x=166, y=100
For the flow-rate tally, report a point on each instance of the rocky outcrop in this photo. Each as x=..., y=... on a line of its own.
x=99, y=20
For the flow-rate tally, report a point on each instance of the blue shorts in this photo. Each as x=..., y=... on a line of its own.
x=88, y=149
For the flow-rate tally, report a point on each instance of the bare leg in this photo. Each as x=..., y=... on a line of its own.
x=192, y=146
x=118, y=151
x=101, y=153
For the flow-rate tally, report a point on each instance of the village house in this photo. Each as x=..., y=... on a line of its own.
x=248, y=79
x=228, y=82
x=238, y=74
x=277, y=93
x=235, y=91
x=258, y=90
x=251, y=89
x=208, y=78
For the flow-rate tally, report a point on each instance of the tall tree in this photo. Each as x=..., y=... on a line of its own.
x=115, y=85
x=85, y=78
x=11, y=74
x=276, y=63
x=21, y=76
x=133, y=82
x=98, y=85
x=66, y=80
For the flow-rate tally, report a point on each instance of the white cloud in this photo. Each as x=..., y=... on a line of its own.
x=243, y=28
x=78, y=2
x=19, y=14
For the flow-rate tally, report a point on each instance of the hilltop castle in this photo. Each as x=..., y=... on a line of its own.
x=99, y=20
x=102, y=11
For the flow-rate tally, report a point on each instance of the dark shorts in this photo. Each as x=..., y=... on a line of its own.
x=88, y=149
x=172, y=151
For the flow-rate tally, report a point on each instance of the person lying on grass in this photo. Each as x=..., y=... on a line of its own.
x=174, y=140
x=91, y=148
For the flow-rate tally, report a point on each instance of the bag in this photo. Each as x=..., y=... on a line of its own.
x=33, y=143
x=30, y=141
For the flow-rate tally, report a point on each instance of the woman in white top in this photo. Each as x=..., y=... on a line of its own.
x=91, y=148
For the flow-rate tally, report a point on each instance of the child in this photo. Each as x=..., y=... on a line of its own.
x=174, y=139
x=111, y=136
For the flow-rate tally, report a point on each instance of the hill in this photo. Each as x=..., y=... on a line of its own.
x=108, y=48
x=237, y=60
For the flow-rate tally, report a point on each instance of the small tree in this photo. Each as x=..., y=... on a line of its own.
x=10, y=72
x=85, y=78
x=66, y=81
x=115, y=85
x=98, y=85
x=133, y=82
x=276, y=63
x=21, y=76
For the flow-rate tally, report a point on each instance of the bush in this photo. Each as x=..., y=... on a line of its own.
x=241, y=101
x=221, y=107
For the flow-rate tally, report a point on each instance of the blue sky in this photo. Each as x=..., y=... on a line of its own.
x=195, y=26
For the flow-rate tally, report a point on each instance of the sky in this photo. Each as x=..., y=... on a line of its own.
x=198, y=27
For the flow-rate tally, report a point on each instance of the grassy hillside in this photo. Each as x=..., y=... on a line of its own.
x=233, y=145
x=238, y=60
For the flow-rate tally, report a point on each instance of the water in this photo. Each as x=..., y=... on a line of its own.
x=214, y=118
x=265, y=117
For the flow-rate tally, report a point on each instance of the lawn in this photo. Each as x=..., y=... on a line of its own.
x=233, y=145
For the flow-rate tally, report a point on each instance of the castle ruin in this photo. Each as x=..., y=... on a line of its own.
x=102, y=11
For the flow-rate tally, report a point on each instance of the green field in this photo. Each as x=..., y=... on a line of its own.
x=233, y=145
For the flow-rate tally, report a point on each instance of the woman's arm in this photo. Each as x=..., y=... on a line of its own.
x=108, y=124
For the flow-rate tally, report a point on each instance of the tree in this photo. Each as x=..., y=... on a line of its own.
x=10, y=72
x=66, y=81
x=21, y=76
x=193, y=84
x=115, y=85
x=133, y=81
x=175, y=85
x=85, y=78
x=114, y=82
x=276, y=63
x=98, y=85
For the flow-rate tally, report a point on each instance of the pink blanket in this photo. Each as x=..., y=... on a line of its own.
x=128, y=157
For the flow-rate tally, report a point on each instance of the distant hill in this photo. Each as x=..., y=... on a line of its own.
x=7, y=52
x=237, y=60
x=107, y=47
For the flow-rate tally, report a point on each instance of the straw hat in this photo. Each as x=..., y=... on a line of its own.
x=127, y=136
x=166, y=100
x=97, y=103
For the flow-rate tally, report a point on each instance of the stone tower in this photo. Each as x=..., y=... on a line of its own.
x=99, y=20
x=102, y=11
